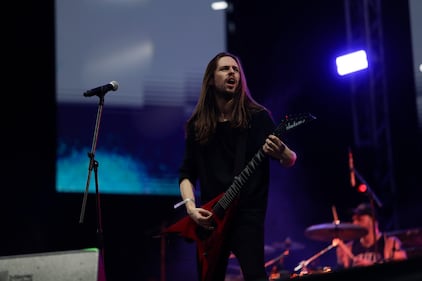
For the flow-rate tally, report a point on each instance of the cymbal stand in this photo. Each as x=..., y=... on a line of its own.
x=302, y=266
x=278, y=258
x=277, y=265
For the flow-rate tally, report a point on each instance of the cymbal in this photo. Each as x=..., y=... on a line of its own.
x=409, y=237
x=329, y=231
x=288, y=244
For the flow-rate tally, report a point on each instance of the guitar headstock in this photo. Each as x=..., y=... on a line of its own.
x=292, y=121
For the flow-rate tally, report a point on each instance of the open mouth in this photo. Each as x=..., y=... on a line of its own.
x=231, y=81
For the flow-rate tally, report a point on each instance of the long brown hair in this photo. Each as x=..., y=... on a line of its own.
x=205, y=114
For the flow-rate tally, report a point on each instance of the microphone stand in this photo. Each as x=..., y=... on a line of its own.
x=93, y=166
x=372, y=199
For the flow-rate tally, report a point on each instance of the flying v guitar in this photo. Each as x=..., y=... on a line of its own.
x=209, y=241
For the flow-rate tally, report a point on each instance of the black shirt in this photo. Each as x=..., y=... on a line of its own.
x=213, y=165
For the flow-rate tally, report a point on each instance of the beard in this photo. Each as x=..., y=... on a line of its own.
x=227, y=96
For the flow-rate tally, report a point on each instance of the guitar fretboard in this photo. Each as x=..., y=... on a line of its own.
x=239, y=182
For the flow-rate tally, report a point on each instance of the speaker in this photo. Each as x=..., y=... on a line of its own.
x=76, y=265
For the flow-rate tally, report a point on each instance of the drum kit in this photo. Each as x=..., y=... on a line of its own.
x=336, y=233
x=320, y=232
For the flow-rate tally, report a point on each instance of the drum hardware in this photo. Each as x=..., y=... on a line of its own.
x=277, y=271
x=303, y=265
x=336, y=232
x=288, y=244
x=279, y=258
x=277, y=263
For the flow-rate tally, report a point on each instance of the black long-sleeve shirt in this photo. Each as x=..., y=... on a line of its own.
x=213, y=165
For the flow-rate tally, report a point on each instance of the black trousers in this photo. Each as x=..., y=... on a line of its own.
x=245, y=239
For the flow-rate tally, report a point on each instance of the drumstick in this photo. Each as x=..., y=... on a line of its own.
x=335, y=216
x=339, y=241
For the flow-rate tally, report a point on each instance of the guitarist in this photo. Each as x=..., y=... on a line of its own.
x=225, y=130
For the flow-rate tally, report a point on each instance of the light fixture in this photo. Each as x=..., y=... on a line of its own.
x=351, y=62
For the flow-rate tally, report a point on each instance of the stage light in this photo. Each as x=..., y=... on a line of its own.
x=351, y=62
x=219, y=5
x=362, y=188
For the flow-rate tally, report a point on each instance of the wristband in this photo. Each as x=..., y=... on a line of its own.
x=183, y=202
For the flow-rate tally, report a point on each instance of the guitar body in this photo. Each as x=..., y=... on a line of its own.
x=208, y=242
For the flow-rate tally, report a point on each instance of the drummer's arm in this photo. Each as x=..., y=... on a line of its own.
x=393, y=249
x=343, y=259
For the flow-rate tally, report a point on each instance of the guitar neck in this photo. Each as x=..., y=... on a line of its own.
x=290, y=122
x=238, y=182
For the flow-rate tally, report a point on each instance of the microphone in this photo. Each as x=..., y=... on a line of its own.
x=351, y=169
x=102, y=90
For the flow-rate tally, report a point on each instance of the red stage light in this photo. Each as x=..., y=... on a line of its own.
x=362, y=188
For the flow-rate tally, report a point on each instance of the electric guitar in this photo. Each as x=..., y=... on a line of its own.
x=222, y=206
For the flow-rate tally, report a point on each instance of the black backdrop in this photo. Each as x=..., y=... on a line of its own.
x=284, y=52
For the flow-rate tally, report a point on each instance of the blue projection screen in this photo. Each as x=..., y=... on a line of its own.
x=415, y=9
x=157, y=51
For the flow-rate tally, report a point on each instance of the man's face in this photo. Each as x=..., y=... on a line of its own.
x=363, y=220
x=226, y=76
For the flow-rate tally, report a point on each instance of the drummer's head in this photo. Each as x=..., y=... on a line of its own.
x=364, y=215
x=363, y=209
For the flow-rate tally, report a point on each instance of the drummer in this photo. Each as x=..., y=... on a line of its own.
x=364, y=251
